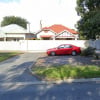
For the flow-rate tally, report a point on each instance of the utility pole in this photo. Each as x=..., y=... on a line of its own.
x=28, y=27
x=40, y=24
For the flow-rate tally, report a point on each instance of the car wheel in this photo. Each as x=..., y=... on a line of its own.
x=52, y=53
x=74, y=53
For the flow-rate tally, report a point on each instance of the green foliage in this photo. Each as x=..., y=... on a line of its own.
x=89, y=24
x=4, y=56
x=14, y=20
x=67, y=71
x=88, y=51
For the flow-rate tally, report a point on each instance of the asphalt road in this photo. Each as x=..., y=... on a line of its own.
x=73, y=91
x=16, y=83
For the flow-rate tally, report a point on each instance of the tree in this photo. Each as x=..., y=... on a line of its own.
x=89, y=24
x=14, y=20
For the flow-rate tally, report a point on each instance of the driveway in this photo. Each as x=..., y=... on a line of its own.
x=16, y=68
x=68, y=59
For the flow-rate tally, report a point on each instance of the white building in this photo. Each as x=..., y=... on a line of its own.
x=14, y=32
x=57, y=32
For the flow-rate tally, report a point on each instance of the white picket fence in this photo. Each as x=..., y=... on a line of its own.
x=43, y=45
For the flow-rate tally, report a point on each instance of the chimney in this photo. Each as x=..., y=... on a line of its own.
x=28, y=27
x=40, y=24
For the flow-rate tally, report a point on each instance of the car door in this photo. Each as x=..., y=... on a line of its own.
x=67, y=49
x=60, y=50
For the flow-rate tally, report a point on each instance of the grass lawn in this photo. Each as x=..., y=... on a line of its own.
x=6, y=55
x=67, y=71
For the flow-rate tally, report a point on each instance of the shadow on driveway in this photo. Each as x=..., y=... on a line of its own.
x=17, y=73
x=62, y=60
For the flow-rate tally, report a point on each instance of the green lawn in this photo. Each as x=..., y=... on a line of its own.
x=67, y=71
x=6, y=55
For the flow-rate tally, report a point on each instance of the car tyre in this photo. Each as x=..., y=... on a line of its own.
x=52, y=53
x=74, y=53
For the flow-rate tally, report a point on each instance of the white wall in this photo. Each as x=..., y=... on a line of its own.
x=43, y=45
x=97, y=44
x=10, y=45
x=46, y=44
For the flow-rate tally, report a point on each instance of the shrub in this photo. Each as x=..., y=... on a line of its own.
x=96, y=56
x=88, y=51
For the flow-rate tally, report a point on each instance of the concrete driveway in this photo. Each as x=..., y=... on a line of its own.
x=15, y=69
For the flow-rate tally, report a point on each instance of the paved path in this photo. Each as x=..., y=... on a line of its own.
x=15, y=69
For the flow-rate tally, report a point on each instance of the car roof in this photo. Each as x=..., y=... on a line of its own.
x=69, y=44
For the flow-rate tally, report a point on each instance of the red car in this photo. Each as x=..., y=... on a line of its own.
x=64, y=49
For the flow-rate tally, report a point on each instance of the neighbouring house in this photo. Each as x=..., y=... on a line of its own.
x=57, y=32
x=14, y=32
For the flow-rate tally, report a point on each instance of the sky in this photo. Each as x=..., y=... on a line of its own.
x=49, y=12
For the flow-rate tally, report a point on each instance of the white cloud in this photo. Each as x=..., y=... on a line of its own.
x=49, y=11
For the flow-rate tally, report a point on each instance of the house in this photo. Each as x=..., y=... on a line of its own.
x=14, y=32
x=57, y=32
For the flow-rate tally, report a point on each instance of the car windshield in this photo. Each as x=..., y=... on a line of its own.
x=61, y=46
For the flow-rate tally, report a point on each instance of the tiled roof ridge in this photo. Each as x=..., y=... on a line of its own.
x=58, y=28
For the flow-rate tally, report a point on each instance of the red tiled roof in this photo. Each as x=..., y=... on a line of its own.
x=59, y=29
